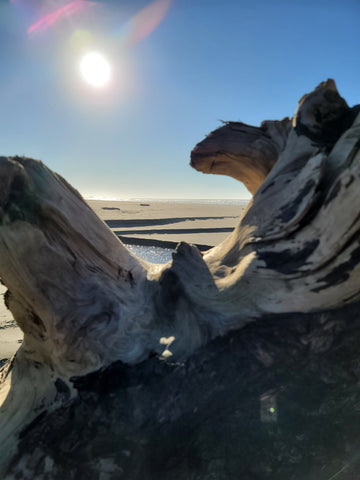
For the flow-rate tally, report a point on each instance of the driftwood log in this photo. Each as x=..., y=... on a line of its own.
x=238, y=363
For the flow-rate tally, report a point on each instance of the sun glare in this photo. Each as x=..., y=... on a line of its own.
x=95, y=69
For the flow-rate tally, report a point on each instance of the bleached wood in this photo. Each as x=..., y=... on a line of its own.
x=84, y=301
x=241, y=151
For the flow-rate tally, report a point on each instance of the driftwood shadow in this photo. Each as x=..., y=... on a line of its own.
x=276, y=400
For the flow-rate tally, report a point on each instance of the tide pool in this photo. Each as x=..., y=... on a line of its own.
x=151, y=254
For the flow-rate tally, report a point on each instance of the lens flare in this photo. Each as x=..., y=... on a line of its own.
x=81, y=40
x=142, y=24
x=65, y=11
x=148, y=19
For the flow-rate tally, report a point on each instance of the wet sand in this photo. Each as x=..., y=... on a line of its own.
x=145, y=223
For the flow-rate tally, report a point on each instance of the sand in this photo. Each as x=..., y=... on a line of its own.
x=10, y=334
x=145, y=223
x=201, y=224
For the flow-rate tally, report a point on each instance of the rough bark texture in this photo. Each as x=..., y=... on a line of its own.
x=276, y=400
x=121, y=374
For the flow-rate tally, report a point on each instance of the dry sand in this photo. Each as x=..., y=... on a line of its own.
x=201, y=224
x=145, y=223
x=10, y=334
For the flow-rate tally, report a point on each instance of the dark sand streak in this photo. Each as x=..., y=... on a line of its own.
x=180, y=231
x=144, y=222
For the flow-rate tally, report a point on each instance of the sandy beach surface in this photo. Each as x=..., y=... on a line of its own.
x=10, y=334
x=145, y=223
x=201, y=224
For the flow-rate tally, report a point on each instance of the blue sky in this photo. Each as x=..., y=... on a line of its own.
x=206, y=61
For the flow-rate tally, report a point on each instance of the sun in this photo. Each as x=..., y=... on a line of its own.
x=95, y=69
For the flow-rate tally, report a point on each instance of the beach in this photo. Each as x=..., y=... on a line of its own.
x=146, y=222
x=167, y=223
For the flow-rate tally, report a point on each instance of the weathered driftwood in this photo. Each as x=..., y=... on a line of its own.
x=241, y=151
x=289, y=271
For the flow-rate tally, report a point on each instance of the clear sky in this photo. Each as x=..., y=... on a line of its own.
x=177, y=69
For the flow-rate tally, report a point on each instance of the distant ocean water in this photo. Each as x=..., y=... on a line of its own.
x=207, y=201
x=152, y=254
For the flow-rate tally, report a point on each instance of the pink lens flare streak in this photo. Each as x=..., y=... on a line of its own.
x=148, y=19
x=49, y=19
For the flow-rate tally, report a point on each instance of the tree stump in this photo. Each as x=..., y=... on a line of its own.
x=237, y=363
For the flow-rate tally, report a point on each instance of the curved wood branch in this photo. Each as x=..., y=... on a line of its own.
x=243, y=152
x=84, y=302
